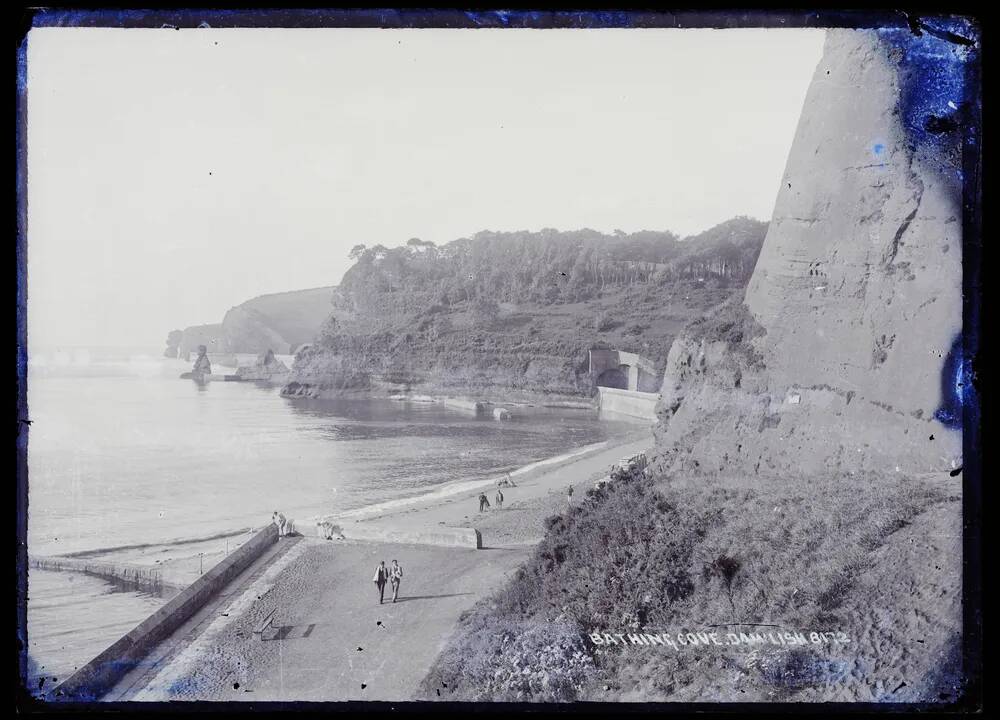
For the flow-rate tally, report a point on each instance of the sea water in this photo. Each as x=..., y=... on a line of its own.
x=123, y=452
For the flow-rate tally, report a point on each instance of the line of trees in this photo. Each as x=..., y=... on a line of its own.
x=551, y=266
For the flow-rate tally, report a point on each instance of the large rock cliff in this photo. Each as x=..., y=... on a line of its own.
x=841, y=358
x=280, y=322
x=352, y=353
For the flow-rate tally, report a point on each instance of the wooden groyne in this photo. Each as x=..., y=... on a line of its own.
x=94, y=679
x=131, y=576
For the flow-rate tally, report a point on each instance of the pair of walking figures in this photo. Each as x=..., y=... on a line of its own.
x=391, y=575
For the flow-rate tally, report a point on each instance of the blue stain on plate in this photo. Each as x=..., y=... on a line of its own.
x=878, y=149
x=956, y=386
x=935, y=57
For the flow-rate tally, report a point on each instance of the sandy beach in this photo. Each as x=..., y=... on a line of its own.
x=330, y=639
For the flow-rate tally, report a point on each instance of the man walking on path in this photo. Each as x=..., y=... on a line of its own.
x=499, y=500
x=395, y=575
x=483, y=502
x=381, y=576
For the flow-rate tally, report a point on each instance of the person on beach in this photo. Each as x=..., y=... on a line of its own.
x=278, y=519
x=569, y=494
x=395, y=575
x=380, y=579
x=483, y=502
x=506, y=482
x=499, y=499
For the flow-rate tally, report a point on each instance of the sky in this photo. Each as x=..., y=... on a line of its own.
x=173, y=174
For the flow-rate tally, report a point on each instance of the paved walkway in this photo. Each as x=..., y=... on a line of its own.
x=331, y=639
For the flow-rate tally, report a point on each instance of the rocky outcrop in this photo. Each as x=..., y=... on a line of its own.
x=479, y=365
x=841, y=359
x=352, y=354
x=202, y=366
x=267, y=369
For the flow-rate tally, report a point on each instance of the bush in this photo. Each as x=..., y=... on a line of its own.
x=634, y=558
x=485, y=310
x=604, y=322
x=505, y=660
x=617, y=562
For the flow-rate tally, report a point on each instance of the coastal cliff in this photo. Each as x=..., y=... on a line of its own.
x=796, y=533
x=281, y=322
x=842, y=357
x=513, y=315
x=464, y=359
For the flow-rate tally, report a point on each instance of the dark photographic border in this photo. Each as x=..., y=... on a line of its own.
x=970, y=351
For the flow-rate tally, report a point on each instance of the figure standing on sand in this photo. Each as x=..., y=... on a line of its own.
x=506, y=482
x=395, y=575
x=380, y=579
x=569, y=494
x=278, y=519
x=483, y=502
x=499, y=499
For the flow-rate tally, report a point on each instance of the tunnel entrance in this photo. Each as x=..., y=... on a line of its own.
x=613, y=378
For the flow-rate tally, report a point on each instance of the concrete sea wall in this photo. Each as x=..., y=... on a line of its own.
x=95, y=678
x=440, y=536
x=640, y=405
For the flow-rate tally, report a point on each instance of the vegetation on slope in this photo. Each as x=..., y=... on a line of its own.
x=517, y=312
x=647, y=557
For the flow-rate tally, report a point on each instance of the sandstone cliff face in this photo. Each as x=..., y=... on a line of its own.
x=469, y=364
x=853, y=307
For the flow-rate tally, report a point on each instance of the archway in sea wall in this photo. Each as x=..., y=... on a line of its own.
x=639, y=372
x=613, y=378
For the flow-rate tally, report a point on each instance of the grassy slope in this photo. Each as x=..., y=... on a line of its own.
x=875, y=558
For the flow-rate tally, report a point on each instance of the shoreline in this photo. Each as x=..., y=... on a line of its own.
x=332, y=640
x=447, y=491
x=182, y=560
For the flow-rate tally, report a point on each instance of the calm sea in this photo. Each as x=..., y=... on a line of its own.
x=121, y=452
